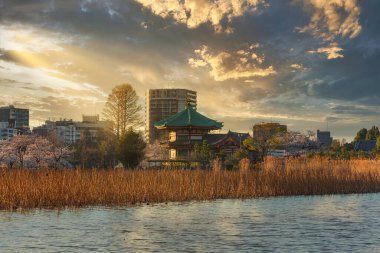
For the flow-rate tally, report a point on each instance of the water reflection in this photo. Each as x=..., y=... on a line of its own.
x=293, y=224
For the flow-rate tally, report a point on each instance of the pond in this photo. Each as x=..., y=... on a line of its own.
x=285, y=224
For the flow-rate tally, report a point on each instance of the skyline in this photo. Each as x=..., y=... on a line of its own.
x=301, y=63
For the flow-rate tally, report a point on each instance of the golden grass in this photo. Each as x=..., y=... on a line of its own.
x=77, y=188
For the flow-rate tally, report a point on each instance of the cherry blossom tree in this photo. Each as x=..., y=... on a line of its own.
x=155, y=151
x=32, y=152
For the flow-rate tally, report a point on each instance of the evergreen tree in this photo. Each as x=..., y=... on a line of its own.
x=130, y=150
x=205, y=151
x=361, y=135
x=372, y=133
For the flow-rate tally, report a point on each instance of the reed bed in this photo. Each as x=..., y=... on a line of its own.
x=25, y=189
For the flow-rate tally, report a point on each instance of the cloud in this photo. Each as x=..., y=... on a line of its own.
x=332, y=19
x=46, y=95
x=225, y=65
x=87, y=5
x=193, y=13
x=332, y=51
x=296, y=67
x=148, y=51
x=19, y=37
x=37, y=77
x=355, y=110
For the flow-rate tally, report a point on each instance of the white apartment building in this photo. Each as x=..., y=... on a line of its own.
x=7, y=132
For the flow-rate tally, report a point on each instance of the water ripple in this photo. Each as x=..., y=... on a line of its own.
x=338, y=223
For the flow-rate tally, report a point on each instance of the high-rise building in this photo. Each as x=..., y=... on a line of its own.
x=17, y=116
x=163, y=103
x=324, y=139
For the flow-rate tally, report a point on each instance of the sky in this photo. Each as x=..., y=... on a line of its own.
x=310, y=64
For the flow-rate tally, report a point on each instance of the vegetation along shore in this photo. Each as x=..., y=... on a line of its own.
x=26, y=189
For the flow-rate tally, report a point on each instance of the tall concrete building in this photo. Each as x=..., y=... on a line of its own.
x=324, y=139
x=163, y=103
x=16, y=117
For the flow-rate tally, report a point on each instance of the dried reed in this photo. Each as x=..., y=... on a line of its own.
x=26, y=189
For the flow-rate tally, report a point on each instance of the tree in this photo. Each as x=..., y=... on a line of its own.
x=18, y=147
x=96, y=151
x=32, y=152
x=378, y=143
x=241, y=154
x=155, y=151
x=38, y=152
x=86, y=151
x=60, y=155
x=107, y=148
x=335, y=145
x=197, y=151
x=130, y=149
x=372, y=133
x=203, y=153
x=122, y=109
x=361, y=135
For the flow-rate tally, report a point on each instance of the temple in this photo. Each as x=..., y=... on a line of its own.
x=189, y=127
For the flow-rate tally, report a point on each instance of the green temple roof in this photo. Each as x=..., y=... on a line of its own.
x=188, y=118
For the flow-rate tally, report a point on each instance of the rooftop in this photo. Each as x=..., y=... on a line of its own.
x=188, y=118
x=216, y=138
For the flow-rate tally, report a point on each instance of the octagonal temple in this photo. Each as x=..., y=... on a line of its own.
x=185, y=129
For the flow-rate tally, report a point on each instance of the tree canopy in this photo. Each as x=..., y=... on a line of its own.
x=122, y=109
x=130, y=149
x=372, y=133
x=361, y=135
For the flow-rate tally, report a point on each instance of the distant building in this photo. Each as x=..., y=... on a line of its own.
x=265, y=131
x=46, y=129
x=92, y=125
x=16, y=117
x=66, y=131
x=324, y=139
x=90, y=118
x=365, y=145
x=7, y=132
x=227, y=143
x=70, y=132
x=163, y=103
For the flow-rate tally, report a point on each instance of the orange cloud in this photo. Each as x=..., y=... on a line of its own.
x=226, y=65
x=196, y=12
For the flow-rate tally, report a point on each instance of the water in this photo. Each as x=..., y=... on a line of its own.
x=338, y=223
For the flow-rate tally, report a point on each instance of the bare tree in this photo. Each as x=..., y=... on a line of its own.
x=122, y=109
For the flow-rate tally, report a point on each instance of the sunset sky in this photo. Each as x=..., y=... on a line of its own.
x=307, y=64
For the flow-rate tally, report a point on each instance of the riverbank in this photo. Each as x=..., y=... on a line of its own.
x=25, y=189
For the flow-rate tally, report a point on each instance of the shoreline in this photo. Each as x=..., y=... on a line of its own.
x=185, y=202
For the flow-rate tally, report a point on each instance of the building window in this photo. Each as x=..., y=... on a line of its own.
x=173, y=154
x=172, y=136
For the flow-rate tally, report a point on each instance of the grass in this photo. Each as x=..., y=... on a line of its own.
x=25, y=189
